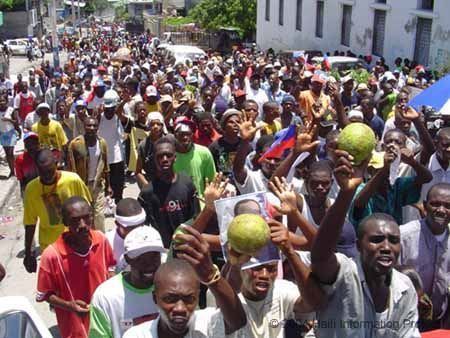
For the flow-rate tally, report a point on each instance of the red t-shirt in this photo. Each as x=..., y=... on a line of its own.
x=203, y=139
x=25, y=167
x=71, y=276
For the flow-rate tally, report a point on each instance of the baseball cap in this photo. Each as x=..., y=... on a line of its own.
x=30, y=134
x=43, y=105
x=169, y=70
x=80, y=103
x=355, y=113
x=151, y=91
x=185, y=96
x=377, y=160
x=184, y=124
x=361, y=87
x=318, y=78
x=141, y=240
x=347, y=78
x=111, y=98
x=166, y=98
x=101, y=68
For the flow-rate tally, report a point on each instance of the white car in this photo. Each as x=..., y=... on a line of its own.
x=339, y=62
x=181, y=53
x=18, y=318
x=17, y=46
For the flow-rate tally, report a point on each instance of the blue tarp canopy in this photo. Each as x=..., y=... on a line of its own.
x=436, y=96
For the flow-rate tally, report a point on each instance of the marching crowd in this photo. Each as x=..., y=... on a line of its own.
x=364, y=249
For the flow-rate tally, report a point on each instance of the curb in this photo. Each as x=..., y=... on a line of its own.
x=8, y=188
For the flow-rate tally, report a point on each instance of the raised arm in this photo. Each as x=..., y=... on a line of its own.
x=195, y=250
x=426, y=140
x=377, y=180
x=288, y=207
x=338, y=106
x=247, y=132
x=423, y=175
x=312, y=297
x=324, y=263
x=304, y=143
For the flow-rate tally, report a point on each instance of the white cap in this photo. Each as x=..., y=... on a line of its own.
x=43, y=105
x=111, y=98
x=355, y=113
x=141, y=240
x=151, y=91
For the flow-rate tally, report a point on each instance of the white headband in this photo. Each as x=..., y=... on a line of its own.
x=131, y=221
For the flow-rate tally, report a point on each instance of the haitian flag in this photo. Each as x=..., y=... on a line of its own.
x=326, y=63
x=285, y=141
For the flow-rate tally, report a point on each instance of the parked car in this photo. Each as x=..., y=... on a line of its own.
x=18, y=318
x=17, y=46
x=341, y=63
x=183, y=52
x=290, y=54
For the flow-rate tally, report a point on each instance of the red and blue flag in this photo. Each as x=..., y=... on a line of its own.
x=286, y=140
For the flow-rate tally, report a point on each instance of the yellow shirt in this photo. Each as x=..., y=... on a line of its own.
x=273, y=128
x=43, y=203
x=152, y=107
x=51, y=136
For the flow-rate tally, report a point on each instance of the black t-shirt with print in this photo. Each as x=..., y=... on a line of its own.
x=224, y=154
x=169, y=205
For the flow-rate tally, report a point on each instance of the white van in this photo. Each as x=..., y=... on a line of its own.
x=181, y=53
x=339, y=62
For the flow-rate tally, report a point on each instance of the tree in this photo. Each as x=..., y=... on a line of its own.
x=212, y=14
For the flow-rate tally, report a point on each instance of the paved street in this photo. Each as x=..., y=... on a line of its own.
x=20, y=64
x=18, y=281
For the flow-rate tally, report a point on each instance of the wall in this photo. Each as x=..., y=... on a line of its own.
x=400, y=30
x=14, y=25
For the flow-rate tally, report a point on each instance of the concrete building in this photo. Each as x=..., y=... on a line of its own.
x=414, y=29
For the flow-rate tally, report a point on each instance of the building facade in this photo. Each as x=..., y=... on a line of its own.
x=414, y=29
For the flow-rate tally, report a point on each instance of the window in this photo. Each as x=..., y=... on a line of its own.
x=381, y=1
x=346, y=25
x=426, y=4
x=281, y=12
x=423, y=41
x=298, y=16
x=379, y=24
x=319, y=19
x=267, y=10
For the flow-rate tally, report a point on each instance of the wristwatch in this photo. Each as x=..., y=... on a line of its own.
x=215, y=277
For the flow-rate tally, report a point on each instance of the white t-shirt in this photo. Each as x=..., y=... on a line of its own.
x=266, y=318
x=31, y=119
x=206, y=323
x=116, y=242
x=118, y=306
x=111, y=130
x=6, y=126
x=96, y=102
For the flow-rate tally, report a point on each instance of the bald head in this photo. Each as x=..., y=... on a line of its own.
x=175, y=269
x=45, y=156
x=374, y=219
x=128, y=207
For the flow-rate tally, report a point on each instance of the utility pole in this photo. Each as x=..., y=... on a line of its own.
x=73, y=14
x=55, y=42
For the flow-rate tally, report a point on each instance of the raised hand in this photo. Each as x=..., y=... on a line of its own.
x=192, y=247
x=214, y=190
x=409, y=113
x=285, y=194
x=390, y=155
x=317, y=111
x=248, y=128
x=305, y=139
x=347, y=176
x=279, y=234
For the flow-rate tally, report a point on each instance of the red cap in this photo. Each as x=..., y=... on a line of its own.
x=318, y=78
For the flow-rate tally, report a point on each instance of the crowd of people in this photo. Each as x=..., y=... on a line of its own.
x=365, y=249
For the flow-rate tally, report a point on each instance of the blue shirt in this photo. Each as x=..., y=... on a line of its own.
x=404, y=192
x=377, y=125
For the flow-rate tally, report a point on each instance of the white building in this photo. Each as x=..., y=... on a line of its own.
x=414, y=29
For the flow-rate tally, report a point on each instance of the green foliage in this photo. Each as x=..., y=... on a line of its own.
x=360, y=75
x=443, y=69
x=178, y=21
x=121, y=13
x=335, y=73
x=213, y=14
x=96, y=5
x=8, y=5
